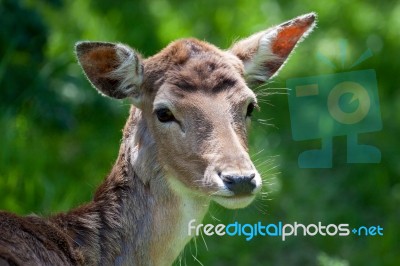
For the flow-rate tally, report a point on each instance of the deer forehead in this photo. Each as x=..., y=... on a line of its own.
x=192, y=65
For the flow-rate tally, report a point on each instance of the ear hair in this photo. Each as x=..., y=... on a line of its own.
x=261, y=66
x=129, y=72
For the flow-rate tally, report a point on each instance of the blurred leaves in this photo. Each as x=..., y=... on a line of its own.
x=59, y=138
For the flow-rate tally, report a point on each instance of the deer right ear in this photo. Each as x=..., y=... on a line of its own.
x=114, y=70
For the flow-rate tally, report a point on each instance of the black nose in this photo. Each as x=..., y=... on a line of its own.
x=239, y=184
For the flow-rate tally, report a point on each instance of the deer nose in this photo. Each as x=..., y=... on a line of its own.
x=239, y=184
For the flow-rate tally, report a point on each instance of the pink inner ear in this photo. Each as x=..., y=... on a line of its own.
x=100, y=61
x=290, y=34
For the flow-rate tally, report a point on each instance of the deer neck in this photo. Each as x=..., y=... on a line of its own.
x=137, y=216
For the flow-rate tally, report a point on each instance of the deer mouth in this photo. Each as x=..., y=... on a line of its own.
x=234, y=201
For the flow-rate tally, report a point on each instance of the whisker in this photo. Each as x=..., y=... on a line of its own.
x=196, y=259
x=204, y=241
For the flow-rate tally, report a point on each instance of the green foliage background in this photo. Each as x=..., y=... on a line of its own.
x=59, y=138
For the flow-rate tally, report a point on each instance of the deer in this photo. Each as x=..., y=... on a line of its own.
x=183, y=146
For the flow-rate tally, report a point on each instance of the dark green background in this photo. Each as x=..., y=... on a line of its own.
x=59, y=138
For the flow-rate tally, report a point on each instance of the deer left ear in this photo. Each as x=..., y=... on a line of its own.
x=264, y=53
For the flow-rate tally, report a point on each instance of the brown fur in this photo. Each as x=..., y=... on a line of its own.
x=166, y=173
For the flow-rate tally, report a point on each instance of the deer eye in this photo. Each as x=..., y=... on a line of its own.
x=164, y=115
x=250, y=109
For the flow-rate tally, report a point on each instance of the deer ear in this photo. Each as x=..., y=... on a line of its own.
x=114, y=70
x=264, y=53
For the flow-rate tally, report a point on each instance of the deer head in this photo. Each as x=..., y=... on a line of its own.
x=196, y=104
